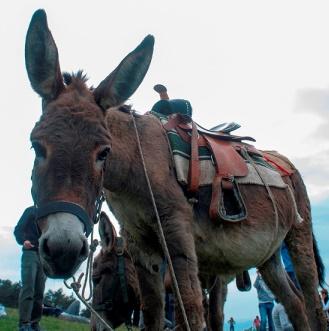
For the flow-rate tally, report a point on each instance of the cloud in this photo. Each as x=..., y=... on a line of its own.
x=313, y=99
x=10, y=253
x=316, y=102
x=314, y=166
x=315, y=170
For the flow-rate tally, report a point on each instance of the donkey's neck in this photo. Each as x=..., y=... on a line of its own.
x=125, y=176
x=124, y=152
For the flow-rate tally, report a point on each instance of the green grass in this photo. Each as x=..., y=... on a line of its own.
x=9, y=323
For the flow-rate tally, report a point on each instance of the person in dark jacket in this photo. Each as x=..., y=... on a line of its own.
x=33, y=278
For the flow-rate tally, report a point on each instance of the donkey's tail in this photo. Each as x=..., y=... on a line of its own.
x=319, y=263
x=303, y=206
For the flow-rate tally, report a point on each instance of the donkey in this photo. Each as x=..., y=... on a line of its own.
x=85, y=141
x=116, y=292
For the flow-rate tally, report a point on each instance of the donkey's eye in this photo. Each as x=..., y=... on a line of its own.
x=103, y=154
x=40, y=151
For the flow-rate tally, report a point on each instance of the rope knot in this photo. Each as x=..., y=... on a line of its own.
x=76, y=286
x=93, y=245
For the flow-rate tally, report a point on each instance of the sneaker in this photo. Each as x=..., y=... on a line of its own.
x=36, y=327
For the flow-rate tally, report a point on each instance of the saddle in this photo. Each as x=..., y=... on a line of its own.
x=226, y=150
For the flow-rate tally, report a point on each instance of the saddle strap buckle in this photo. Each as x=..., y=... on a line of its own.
x=227, y=182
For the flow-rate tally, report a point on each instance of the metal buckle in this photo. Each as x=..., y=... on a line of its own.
x=119, y=248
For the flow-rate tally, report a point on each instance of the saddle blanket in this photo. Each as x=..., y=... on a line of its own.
x=181, y=152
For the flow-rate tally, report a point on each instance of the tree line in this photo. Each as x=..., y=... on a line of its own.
x=9, y=292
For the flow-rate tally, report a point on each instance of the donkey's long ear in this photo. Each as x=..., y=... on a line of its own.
x=106, y=231
x=117, y=87
x=41, y=58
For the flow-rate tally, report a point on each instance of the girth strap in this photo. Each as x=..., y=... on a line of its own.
x=65, y=207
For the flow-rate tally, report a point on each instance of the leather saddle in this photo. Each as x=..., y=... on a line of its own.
x=225, y=151
x=224, y=148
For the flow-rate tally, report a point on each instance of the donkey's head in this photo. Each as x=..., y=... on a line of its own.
x=72, y=143
x=116, y=290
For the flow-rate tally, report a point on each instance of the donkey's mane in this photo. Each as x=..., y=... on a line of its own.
x=78, y=77
x=77, y=81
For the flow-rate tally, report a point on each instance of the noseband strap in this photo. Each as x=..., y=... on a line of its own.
x=65, y=207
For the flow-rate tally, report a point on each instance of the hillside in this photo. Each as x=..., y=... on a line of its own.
x=9, y=323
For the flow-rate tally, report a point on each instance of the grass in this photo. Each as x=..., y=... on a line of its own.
x=9, y=323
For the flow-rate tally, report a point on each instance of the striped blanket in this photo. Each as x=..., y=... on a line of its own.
x=181, y=152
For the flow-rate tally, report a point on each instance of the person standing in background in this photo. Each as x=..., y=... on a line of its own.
x=280, y=318
x=231, y=323
x=33, y=278
x=256, y=323
x=265, y=303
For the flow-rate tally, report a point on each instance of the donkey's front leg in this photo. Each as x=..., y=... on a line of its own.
x=152, y=297
x=180, y=241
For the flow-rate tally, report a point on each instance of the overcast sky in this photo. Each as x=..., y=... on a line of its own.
x=263, y=64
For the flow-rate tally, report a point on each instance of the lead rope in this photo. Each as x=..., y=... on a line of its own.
x=89, y=268
x=161, y=234
x=76, y=285
x=92, y=248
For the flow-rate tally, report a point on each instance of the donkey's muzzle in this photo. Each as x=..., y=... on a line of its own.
x=63, y=245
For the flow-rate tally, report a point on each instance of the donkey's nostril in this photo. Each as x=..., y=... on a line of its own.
x=45, y=247
x=84, y=249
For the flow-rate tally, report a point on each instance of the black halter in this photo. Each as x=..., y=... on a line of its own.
x=119, y=281
x=72, y=208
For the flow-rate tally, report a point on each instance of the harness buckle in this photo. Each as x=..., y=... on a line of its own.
x=119, y=248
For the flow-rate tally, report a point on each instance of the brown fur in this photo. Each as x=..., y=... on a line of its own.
x=73, y=130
